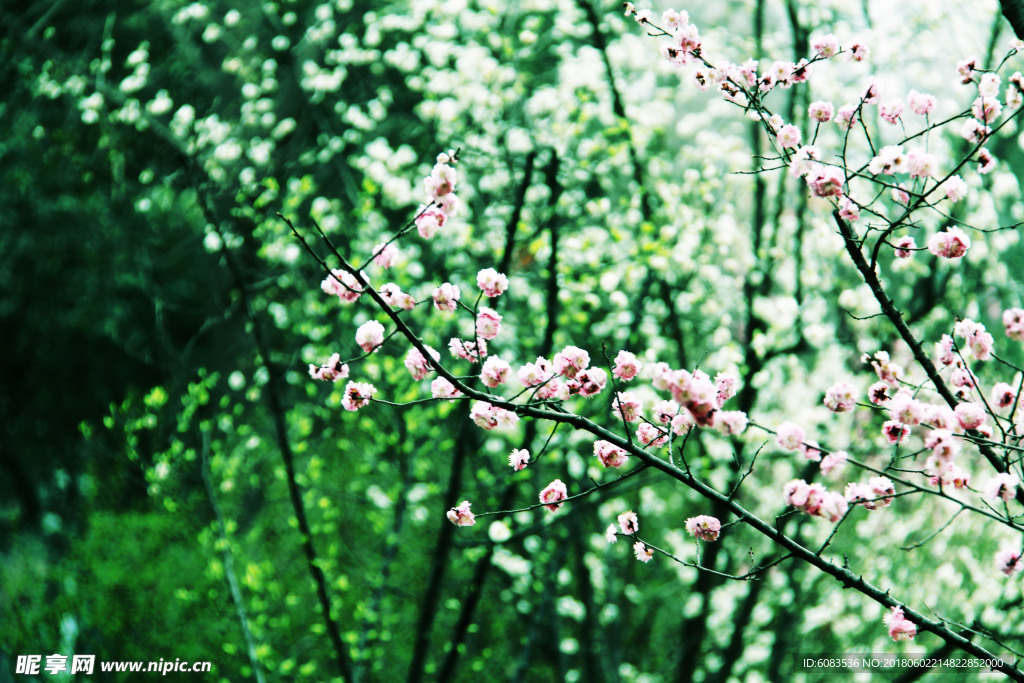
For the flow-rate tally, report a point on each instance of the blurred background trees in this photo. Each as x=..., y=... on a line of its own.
x=173, y=485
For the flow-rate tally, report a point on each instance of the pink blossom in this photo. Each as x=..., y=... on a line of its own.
x=955, y=188
x=953, y=243
x=944, y=351
x=332, y=371
x=446, y=297
x=978, y=340
x=805, y=161
x=974, y=131
x=357, y=395
x=858, y=52
x=1008, y=561
x=649, y=435
x=890, y=160
x=687, y=42
x=748, y=73
x=986, y=162
x=871, y=92
x=393, y=296
x=951, y=476
x=900, y=628
x=519, y=458
x=848, y=210
x=488, y=323
x=921, y=164
x=417, y=365
x=900, y=195
x=801, y=72
x=672, y=20
x=570, y=361
x=441, y=181
x=679, y=383
x=826, y=46
x=609, y=454
x=821, y=111
x=343, y=284
x=385, y=255
x=370, y=335
x=779, y=73
x=429, y=221
x=491, y=282
x=660, y=374
x=610, y=534
x=494, y=371
x=790, y=436
x=629, y=523
x=701, y=79
x=1003, y=395
x=682, y=422
x=986, y=109
x=857, y=493
x=461, y=516
x=625, y=406
x=1003, y=485
x=472, y=351
x=1014, y=98
x=553, y=495
x=626, y=366
x=811, y=451
x=966, y=68
x=442, y=388
x=989, y=85
x=903, y=407
x=664, y=411
x=1013, y=323
x=904, y=246
x=704, y=527
x=961, y=377
x=533, y=374
x=725, y=388
x=891, y=111
x=970, y=415
x=921, y=104
x=487, y=416
x=827, y=181
x=833, y=460
x=788, y=137
x=642, y=552
x=815, y=500
x=883, y=489
x=591, y=381
x=846, y=117
x=841, y=397
x=895, y=432
x=945, y=447
x=730, y=422
x=878, y=393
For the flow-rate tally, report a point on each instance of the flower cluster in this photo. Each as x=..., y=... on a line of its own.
x=332, y=371
x=441, y=199
x=815, y=500
x=876, y=493
x=489, y=417
x=344, y=285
